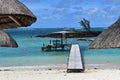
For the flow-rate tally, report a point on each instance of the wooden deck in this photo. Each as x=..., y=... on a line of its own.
x=55, y=45
x=75, y=61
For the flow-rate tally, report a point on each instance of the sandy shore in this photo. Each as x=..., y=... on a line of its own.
x=59, y=74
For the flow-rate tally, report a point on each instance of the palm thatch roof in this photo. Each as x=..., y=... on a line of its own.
x=6, y=40
x=110, y=38
x=14, y=14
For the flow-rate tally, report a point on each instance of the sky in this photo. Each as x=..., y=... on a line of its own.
x=68, y=13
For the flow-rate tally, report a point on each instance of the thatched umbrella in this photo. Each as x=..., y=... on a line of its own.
x=14, y=14
x=6, y=40
x=110, y=38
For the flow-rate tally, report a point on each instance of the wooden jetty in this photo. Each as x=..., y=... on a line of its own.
x=75, y=61
x=58, y=44
x=55, y=45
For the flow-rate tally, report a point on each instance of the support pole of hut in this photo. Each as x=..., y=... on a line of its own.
x=13, y=19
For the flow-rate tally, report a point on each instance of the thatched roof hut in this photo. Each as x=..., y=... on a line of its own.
x=14, y=14
x=6, y=40
x=110, y=38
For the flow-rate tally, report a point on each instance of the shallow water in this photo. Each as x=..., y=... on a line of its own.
x=29, y=52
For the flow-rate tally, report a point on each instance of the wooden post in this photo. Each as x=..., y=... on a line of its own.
x=15, y=20
x=62, y=47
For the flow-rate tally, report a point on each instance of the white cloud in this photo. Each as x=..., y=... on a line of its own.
x=99, y=12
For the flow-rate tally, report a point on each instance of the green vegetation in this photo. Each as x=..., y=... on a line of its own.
x=86, y=24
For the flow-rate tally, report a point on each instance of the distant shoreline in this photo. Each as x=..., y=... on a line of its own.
x=73, y=35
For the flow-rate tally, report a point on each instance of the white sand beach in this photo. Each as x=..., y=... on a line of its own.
x=59, y=74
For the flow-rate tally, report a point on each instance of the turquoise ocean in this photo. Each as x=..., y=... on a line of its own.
x=29, y=52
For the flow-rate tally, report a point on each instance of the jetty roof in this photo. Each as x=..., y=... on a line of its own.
x=110, y=38
x=62, y=32
x=14, y=14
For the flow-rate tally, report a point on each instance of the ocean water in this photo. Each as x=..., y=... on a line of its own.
x=29, y=51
